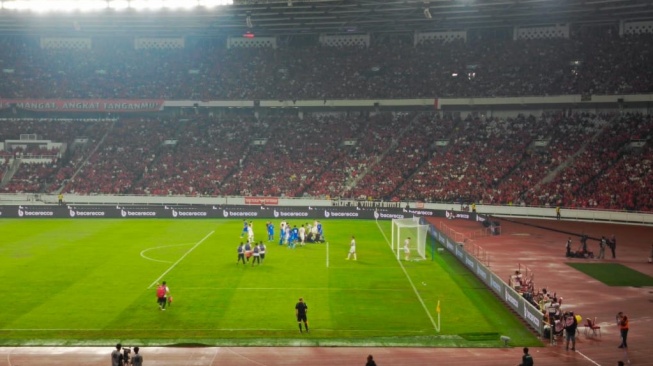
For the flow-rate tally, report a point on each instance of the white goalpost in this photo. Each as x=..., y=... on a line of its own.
x=403, y=229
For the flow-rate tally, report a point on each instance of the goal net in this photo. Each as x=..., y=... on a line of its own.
x=403, y=229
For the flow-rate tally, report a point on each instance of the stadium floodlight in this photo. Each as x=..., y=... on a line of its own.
x=214, y=3
x=16, y=5
x=98, y=5
x=118, y=4
x=179, y=4
x=146, y=4
x=44, y=6
x=92, y=5
x=55, y=5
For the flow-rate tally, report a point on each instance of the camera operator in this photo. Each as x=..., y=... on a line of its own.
x=125, y=356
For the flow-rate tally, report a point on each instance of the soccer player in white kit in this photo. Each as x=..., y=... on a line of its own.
x=352, y=249
x=250, y=232
x=282, y=232
x=302, y=235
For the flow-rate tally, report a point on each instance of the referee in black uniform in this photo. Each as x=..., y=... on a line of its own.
x=300, y=311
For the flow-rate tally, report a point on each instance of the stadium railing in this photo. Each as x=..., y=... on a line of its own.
x=508, y=295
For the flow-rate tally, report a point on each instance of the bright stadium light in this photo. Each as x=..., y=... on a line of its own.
x=179, y=4
x=16, y=5
x=118, y=4
x=55, y=5
x=44, y=6
x=92, y=5
x=97, y=5
x=146, y=4
x=214, y=3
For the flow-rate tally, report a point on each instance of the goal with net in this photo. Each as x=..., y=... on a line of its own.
x=409, y=228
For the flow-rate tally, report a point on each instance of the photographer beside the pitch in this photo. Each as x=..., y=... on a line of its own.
x=125, y=356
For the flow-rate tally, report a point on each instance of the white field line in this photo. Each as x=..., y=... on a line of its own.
x=291, y=289
x=9, y=358
x=435, y=326
x=327, y=254
x=180, y=259
x=217, y=350
x=159, y=247
x=243, y=356
x=588, y=359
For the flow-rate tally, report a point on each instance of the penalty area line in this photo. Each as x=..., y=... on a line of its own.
x=180, y=259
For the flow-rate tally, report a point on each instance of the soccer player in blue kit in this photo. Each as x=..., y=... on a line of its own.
x=245, y=229
x=294, y=234
x=319, y=229
x=270, y=231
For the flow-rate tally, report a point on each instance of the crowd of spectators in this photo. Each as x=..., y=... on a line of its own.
x=199, y=155
x=622, y=173
x=571, y=160
x=389, y=141
x=293, y=154
x=562, y=158
x=122, y=156
x=478, y=161
x=569, y=138
x=598, y=63
x=34, y=177
x=366, y=139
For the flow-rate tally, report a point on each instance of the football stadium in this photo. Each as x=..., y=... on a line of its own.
x=324, y=182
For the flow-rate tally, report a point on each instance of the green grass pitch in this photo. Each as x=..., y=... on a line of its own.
x=614, y=274
x=92, y=282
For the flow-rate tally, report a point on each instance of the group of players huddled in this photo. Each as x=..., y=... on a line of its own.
x=289, y=236
x=292, y=235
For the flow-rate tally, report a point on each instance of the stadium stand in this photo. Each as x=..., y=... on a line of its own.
x=206, y=70
x=573, y=159
x=590, y=159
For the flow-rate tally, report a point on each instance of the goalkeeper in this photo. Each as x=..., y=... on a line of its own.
x=407, y=248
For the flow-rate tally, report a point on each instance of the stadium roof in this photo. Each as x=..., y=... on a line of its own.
x=297, y=17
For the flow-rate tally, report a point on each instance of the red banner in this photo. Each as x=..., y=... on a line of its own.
x=269, y=201
x=85, y=105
